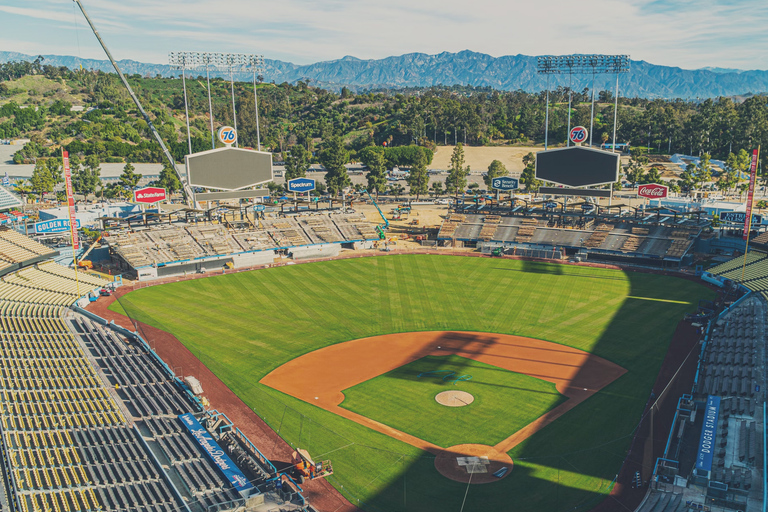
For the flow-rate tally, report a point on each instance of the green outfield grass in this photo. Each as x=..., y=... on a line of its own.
x=244, y=325
x=404, y=398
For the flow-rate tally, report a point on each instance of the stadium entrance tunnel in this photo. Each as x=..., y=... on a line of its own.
x=570, y=464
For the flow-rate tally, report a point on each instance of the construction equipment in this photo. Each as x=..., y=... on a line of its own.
x=386, y=222
x=305, y=468
x=84, y=263
x=498, y=252
x=182, y=178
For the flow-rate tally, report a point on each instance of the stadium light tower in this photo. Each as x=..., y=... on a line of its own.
x=182, y=61
x=256, y=63
x=583, y=64
x=232, y=62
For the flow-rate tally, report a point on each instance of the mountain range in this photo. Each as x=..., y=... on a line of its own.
x=510, y=72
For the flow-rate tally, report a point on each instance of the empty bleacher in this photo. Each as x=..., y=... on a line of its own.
x=154, y=398
x=65, y=440
x=182, y=242
x=754, y=271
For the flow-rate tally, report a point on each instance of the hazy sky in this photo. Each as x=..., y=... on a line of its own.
x=684, y=33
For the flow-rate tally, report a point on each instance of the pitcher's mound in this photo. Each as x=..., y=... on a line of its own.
x=454, y=398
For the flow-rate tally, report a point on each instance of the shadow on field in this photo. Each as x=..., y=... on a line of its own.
x=571, y=464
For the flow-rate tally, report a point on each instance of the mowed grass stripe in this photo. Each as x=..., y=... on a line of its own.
x=244, y=325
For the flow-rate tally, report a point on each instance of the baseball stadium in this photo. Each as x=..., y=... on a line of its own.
x=268, y=357
x=234, y=351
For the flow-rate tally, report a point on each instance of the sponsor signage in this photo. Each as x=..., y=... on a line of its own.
x=587, y=207
x=652, y=191
x=215, y=453
x=227, y=135
x=578, y=134
x=301, y=185
x=550, y=205
x=740, y=217
x=70, y=200
x=259, y=208
x=750, y=193
x=149, y=195
x=505, y=183
x=708, y=431
x=55, y=226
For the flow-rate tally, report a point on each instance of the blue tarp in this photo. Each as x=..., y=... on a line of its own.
x=708, y=432
x=215, y=453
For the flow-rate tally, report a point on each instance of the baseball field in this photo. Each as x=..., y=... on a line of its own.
x=345, y=358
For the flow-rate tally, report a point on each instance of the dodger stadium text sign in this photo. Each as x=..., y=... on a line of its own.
x=214, y=452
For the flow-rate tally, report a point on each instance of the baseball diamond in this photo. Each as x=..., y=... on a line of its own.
x=345, y=357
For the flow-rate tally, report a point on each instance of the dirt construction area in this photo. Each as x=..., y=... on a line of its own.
x=575, y=373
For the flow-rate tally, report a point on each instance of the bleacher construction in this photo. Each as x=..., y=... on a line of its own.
x=90, y=419
x=619, y=239
x=163, y=245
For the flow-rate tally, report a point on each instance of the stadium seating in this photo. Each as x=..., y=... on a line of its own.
x=89, y=417
x=8, y=200
x=754, y=272
x=66, y=440
x=167, y=244
x=624, y=238
x=153, y=396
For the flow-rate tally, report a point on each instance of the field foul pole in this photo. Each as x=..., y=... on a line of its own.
x=748, y=210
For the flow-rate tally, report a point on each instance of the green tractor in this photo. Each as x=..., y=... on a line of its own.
x=498, y=252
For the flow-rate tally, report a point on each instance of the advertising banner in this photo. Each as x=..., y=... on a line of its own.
x=505, y=183
x=215, y=453
x=70, y=200
x=150, y=195
x=55, y=226
x=301, y=185
x=652, y=191
x=740, y=218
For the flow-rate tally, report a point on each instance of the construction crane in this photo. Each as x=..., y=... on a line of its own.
x=187, y=189
x=385, y=226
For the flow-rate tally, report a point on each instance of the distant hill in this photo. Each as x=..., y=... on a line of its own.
x=509, y=72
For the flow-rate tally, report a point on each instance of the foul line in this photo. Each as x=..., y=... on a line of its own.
x=659, y=300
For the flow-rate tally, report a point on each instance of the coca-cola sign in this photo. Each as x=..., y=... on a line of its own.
x=149, y=195
x=652, y=191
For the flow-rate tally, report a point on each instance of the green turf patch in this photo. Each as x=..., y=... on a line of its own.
x=244, y=325
x=404, y=398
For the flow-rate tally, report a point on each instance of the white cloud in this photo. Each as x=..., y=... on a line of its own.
x=685, y=33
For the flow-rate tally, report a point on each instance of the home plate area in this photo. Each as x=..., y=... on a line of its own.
x=474, y=464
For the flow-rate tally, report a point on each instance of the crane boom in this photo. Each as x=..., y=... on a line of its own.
x=185, y=185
